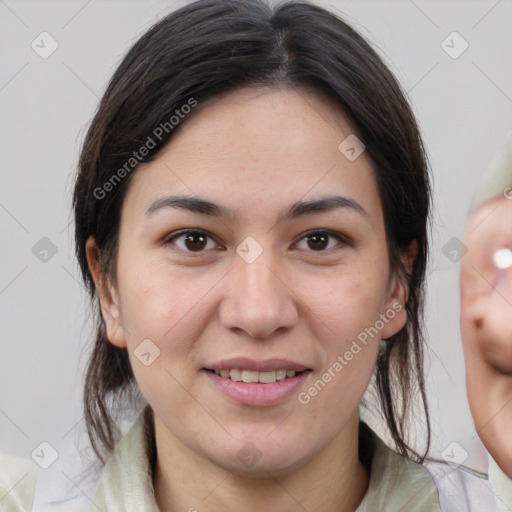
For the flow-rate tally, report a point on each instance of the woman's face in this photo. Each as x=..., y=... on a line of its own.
x=255, y=290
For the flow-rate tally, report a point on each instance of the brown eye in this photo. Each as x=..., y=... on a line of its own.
x=195, y=241
x=318, y=241
x=190, y=241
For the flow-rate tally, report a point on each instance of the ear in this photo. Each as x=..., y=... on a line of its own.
x=396, y=314
x=108, y=297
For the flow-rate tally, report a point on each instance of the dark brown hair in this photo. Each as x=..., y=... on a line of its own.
x=210, y=47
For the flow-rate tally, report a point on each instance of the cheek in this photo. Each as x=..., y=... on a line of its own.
x=348, y=301
x=343, y=312
x=161, y=304
x=165, y=308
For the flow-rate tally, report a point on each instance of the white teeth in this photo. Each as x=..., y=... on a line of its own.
x=253, y=377
x=235, y=375
x=267, y=377
x=248, y=376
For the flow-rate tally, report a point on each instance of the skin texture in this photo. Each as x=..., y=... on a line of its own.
x=256, y=152
x=486, y=326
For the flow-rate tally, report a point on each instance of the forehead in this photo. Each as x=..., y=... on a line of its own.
x=262, y=121
x=258, y=146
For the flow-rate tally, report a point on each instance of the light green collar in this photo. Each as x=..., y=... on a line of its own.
x=396, y=483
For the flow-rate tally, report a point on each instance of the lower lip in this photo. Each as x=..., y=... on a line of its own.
x=257, y=394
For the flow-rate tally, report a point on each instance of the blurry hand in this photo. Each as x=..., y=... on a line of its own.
x=486, y=325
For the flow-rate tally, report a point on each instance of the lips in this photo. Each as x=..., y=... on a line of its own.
x=253, y=382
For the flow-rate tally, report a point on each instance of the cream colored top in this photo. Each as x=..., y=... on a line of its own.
x=17, y=481
x=502, y=485
x=396, y=483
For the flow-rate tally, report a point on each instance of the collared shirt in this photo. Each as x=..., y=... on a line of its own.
x=502, y=485
x=396, y=483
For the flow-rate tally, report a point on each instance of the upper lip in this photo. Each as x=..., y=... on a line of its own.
x=267, y=365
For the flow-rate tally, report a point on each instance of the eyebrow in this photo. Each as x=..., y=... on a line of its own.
x=296, y=210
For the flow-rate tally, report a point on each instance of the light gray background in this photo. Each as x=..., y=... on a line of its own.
x=464, y=106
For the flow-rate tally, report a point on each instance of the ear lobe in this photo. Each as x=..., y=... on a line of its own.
x=396, y=313
x=395, y=316
x=107, y=295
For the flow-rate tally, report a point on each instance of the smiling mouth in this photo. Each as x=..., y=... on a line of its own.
x=249, y=376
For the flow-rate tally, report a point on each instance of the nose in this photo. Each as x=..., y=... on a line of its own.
x=258, y=300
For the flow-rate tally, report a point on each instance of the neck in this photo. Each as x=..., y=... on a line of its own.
x=334, y=480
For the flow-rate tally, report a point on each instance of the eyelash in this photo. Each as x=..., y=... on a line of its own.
x=341, y=239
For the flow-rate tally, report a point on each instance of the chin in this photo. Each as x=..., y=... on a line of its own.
x=248, y=460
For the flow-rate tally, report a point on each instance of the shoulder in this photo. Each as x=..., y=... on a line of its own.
x=502, y=485
x=77, y=482
x=17, y=483
x=126, y=483
x=67, y=485
x=398, y=483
